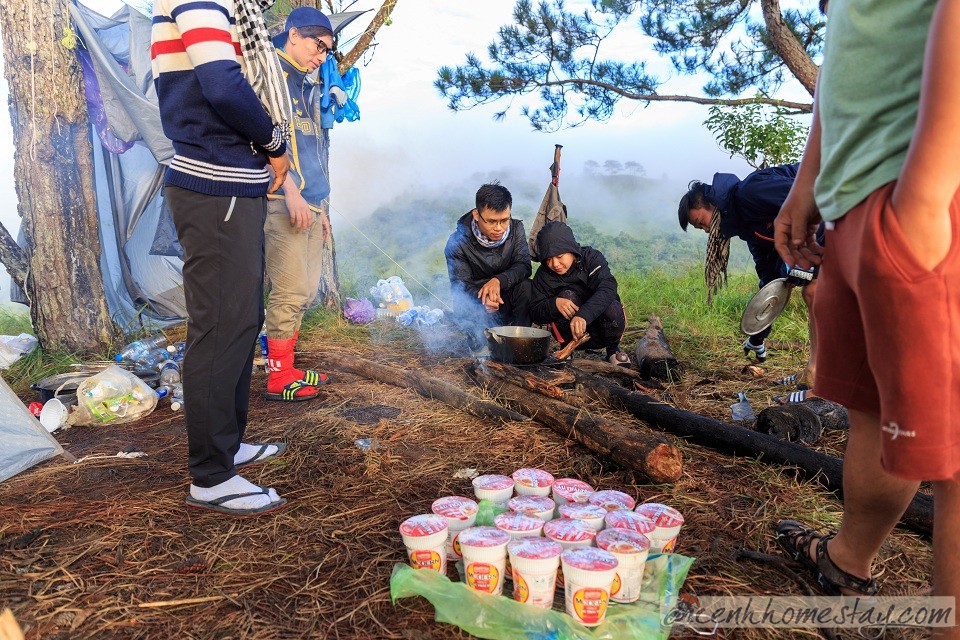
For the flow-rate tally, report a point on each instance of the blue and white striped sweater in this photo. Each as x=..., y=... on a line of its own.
x=219, y=129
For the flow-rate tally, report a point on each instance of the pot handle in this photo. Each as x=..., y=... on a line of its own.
x=493, y=336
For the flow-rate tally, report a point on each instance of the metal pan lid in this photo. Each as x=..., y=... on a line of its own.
x=765, y=306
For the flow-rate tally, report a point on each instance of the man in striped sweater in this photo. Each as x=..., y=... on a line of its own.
x=207, y=57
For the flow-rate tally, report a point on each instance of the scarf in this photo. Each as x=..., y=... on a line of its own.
x=484, y=240
x=262, y=65
x=718, y=253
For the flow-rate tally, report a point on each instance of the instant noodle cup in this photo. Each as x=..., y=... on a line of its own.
x=630, y=549
x=532, y=482
x=537, y=506
x=496, y=489
x=484, y=558
x=518, y=525
x=460, y=513
x=668, y=522
x=592, y=514
x=425, y=537
x=534, y=563
x=589, y=575
x=570, y=490
x=611, y=500
x=630, y=520
x=570, y=534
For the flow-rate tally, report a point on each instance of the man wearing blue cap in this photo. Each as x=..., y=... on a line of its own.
x=296, y=225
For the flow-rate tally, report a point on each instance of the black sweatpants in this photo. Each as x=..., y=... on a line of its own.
x=605, y=332
x=222, y=240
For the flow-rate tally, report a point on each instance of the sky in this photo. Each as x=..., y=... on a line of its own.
x=408, y=141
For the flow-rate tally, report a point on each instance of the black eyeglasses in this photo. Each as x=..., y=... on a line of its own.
x=322, y=47
x=503, y=222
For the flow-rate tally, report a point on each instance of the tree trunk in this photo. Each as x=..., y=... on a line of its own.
x=328, y=289
x=59, y=267
x=787, y=46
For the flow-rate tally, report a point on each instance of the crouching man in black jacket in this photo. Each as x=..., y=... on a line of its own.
x=489, y=266
x=575, y=293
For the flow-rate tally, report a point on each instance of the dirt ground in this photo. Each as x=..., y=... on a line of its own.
x=105, y=548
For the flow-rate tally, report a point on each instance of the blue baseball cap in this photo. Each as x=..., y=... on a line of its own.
x=303, y=17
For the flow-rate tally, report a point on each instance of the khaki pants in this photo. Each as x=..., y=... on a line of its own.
x=293, y=270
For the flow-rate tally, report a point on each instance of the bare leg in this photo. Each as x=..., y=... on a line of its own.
x=946, y=546
x=873, y=500
x=809, y=374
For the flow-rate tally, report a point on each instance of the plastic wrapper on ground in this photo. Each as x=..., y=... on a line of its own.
x=359, y=311
x=501, y=618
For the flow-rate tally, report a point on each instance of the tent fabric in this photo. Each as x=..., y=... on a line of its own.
x=23, y=441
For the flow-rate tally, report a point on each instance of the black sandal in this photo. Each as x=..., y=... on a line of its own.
x=795, y=540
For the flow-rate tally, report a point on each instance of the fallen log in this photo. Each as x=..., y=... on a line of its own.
x=426, y=386
x=606, y=368
x=791, y=422
x=649, y=455
x=733, y=439
x=653, y=354
x=524, y=379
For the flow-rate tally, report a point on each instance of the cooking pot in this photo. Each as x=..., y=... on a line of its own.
x=518, y=345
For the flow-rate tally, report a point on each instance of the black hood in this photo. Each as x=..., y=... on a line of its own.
x=555, y=238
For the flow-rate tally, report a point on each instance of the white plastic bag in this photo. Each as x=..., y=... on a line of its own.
x=113, y=396
x=392, y=295
x=13, y=347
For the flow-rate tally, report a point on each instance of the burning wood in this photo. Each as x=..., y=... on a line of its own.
x=654, y=355
x=526, y=379
x=568, y=350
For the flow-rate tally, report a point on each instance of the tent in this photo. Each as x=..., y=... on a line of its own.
x=141, y=258
x=23, y=441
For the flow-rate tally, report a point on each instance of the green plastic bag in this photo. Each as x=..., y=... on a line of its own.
x=502, y=618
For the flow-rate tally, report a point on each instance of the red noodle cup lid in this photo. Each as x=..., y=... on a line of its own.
x=611, y=500
x=423, y=525
x=535, y=548
x=514, y=522
x=532, y=478
x=589, y=559
x=456, y=507
x=531, y=504
x=493, y=482
x=483, y=537
x=622, y=541
x=581, y=511
x=630, y=520
x=661, y=514
x=572, y=490
x=567, y=530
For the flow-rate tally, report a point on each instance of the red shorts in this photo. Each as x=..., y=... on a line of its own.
x=888, y=337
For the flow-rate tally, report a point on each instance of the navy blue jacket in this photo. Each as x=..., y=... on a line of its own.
x=470, y=265
x=748, y=207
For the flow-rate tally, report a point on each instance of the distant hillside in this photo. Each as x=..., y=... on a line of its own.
x=631, y=219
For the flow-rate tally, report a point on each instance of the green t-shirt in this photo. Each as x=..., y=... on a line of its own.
x=869, y=90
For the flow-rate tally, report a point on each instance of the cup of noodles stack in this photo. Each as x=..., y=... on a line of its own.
x=537, y=506
x=518, y=525
x=611, y=500
x=534, y=563
x=484, y=558
x=566, y=490
x=591, y=514
x=571, y=534
x=496, y=489
x=668, y=522
x=425, y=537
x=460, y=513
x=589, y=574
x=532, y=482
x=630, y=549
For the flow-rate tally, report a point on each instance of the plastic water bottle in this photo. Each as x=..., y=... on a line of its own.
x=176, y=397
x=162, y=391
x=176, y=351
x=169, y=373
x=142, y=351
x=263, y=345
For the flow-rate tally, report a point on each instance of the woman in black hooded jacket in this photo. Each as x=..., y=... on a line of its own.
x=575, y=293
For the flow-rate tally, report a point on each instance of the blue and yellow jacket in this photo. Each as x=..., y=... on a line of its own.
x=306, y=146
